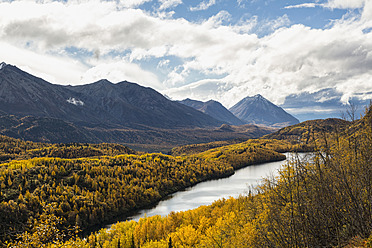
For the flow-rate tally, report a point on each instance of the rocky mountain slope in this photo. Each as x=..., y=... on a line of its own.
x=214, y=109
x=98, y=104
x=260, y=111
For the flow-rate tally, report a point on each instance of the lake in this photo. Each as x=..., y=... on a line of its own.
x=206, y=193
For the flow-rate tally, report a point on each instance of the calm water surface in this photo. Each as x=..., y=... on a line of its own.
x=207, y=192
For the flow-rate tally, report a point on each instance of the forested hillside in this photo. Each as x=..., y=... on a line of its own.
x=280, y=145
x=74, y=187
x=322, y=201
x=310, y=132
x=11, y=149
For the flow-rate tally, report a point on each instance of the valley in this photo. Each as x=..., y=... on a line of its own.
x=127, y=113
x=74, y=158
x=84, y=185
x=185, y=124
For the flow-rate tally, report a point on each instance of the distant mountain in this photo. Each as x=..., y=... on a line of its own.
x=258, y=110
x=214, y=109
x=98, y=104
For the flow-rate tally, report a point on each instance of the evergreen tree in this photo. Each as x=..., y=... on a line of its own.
x=170, y=242
x=132, y=243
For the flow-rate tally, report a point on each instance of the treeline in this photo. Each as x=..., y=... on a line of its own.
x=16, y=149
x=198, y=148
x=279, y=145
x=247, y=153
x=80, y=193
x=324, y=200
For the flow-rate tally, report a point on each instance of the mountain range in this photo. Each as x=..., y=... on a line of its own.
x=34, y=109
x=98, y=104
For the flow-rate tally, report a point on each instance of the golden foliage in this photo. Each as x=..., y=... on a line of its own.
x=323, y=200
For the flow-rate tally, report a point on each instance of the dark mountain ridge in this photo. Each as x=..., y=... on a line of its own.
x=127, y=113
x=98, y=104
x=258, y=110
x=214, y=109
x=23, y=94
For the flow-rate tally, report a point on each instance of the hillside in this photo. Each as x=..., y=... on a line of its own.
x=89, y=185
x=132, y=105
x=51, y=130
x=309, y=131
x=202, y=147
x=44, y=129
x=271, y=144
x=16, y=149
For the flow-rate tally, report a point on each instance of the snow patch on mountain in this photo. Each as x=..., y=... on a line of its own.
x=75, y=101
x=3, y=64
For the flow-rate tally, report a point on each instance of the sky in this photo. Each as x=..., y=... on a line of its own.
x=200, y=49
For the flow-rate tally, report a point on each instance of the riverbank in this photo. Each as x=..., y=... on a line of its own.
x=91, y=192
x=183, y=199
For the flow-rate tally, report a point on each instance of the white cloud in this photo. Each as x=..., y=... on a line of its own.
x=272, y=25
x=203, y=5
x=55, y=69
x=345, y=4
x=166, y=4
x=203, y=90
x=313, y=109
x=367, y=13
x=163, y=63
x=117, y=71
x=332, y=4
x=291, y=59
x=128, y=3
x=303, y=5
x=240, y=3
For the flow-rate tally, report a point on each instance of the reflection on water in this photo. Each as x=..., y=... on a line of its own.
x=207, y=192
